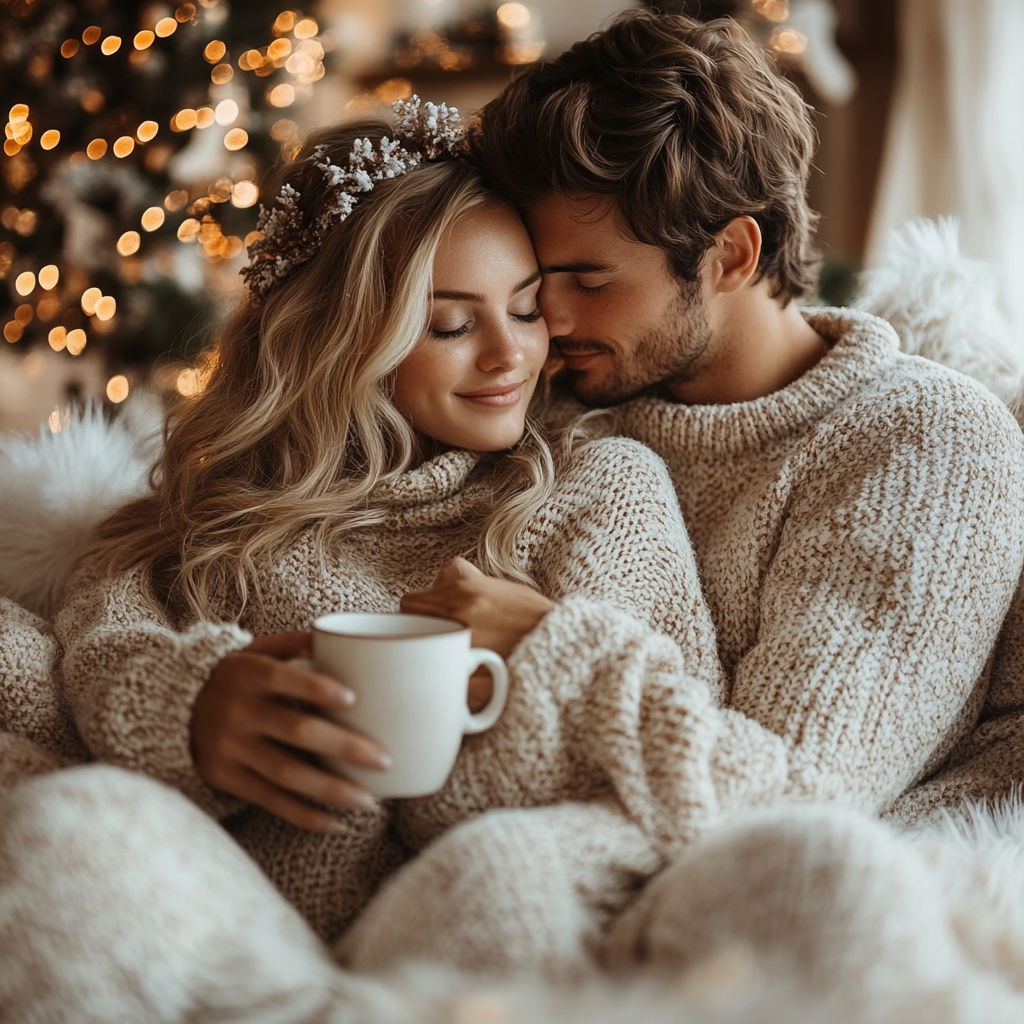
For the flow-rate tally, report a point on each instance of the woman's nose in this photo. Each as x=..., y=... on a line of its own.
x=501, y=350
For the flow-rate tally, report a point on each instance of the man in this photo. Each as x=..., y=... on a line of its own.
x=853, y=511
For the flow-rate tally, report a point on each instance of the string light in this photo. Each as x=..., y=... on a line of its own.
x=69, y=48
x=89, y=299
x=215, y=51
x=128, y=243
x=49, y=139
x=185, y=119
x=284, y=22
x=146, y=131
x=306, y=29
x=49, y=276
x=143, y=40
x=91, y=34
x=244, y=194
x=204, y=117
x=117, y=388
x=107, y=305
x=96, y=149
x=166, y=27
x=221, y=74
x=76, y=341
x=13, y=331
x=226, y=112
x=24, y=314
x=281, y=95
x=25, y=283
x=236, y=139
x=110, y=45
x=123, y=146
x=58, y=338
x=153, y=218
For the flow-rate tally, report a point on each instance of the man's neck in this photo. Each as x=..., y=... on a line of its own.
x=758, y=349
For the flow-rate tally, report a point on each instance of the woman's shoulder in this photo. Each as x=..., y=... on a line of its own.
x=610, y=470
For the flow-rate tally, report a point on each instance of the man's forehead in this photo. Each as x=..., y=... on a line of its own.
x=580, y=234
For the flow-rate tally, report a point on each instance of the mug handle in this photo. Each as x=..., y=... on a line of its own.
x=485, y=718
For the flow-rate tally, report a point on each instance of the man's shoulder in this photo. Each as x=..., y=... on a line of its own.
x=614, y=469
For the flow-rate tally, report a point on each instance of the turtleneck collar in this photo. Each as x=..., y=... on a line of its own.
x=861, y=348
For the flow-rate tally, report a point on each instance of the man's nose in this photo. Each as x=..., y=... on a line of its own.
x=556, y=310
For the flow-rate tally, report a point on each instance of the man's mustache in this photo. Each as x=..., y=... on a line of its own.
x=578, y=346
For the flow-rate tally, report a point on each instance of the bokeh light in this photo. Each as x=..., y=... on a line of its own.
x=129, y=243
x=236, y=139
x=49, y=276
x=117, y=388
x=25, y=283
x=49, y=139
x=152, y=219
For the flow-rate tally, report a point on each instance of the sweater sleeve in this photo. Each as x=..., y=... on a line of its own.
x=131, y=678
x=878, y=612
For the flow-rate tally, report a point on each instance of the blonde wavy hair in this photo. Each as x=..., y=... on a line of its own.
x=295, y=428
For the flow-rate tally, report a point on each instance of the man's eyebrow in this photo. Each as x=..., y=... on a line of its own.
x=582, y=267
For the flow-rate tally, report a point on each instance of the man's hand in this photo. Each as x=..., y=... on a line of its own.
x=247, y=740
x=498, y=612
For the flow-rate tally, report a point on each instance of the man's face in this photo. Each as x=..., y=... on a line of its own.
x=618, y=315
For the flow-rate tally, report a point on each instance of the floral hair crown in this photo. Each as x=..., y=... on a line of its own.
x=423, y=131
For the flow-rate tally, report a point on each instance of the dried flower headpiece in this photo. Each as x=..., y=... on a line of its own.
x=423, y=131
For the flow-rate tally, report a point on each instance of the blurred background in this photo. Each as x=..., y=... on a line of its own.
x=141, y=137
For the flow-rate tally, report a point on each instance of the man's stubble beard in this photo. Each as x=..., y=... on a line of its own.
x=671, y=350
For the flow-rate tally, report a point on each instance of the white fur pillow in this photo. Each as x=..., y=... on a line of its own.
x=55, y=489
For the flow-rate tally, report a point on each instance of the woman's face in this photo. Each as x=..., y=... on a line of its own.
x=469, y=380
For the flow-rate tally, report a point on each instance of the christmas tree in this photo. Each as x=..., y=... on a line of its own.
x=136, y=136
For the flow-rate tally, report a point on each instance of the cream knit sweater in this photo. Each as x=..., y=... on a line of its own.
x=612, y=534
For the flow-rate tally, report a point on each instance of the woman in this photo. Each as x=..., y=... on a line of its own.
x=365, y=422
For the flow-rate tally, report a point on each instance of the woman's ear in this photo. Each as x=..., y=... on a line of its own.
x=733, y=259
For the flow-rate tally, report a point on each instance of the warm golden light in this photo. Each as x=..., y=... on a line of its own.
x=232, y=246
x=204, y=117
x=11, y=148
x=25, y=283
x=54, y=422
x=24, y=313
x=21, y=133
x=394, y=89
x=773, y=10
x=188, y=229
x=18, y=114
x=129, y=243
x=521, y=53
x=107, y=306
x=69, y=48
x=279, y=49
x=222, y=73
x=166, y=27
x=788, y=40
x=49, y=276
x=49, y=306
x=153, y=218
x=147, y=131
x=281, y=95
x=306, y=29
x=110, y=45
x=185, y=119
x=96, y=149
x=13, y=331
x=253, y=236
x=176, y=200
x=186, y=12
x=188, y=383
x=236, y=139
x=91, y=34
x=220, y=190
x=215, y=51
x=250, y=60
x=123, y=146
x=89, y=299
x=117, y=388
x=58, y=338
x=75, y=341
x=244, y=194
x=284, y=22
x=514, y=15
x=143, y=40
x=49, y=139
x=226, y=112
x=92, y=100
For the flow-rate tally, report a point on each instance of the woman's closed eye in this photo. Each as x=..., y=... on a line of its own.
x=450, y=332
x=527, y=318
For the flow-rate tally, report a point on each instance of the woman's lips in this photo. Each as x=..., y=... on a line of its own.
x=496, y=397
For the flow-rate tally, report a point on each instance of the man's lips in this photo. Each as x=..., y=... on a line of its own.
x=497, y=397
x=578, y=357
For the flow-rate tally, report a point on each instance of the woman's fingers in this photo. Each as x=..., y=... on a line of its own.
x=321, y=736
x=283, y=645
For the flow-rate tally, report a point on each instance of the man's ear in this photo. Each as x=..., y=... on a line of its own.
x=733, y=259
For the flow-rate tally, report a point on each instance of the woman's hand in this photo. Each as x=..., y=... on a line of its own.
x=498, y=612
x=248, y=741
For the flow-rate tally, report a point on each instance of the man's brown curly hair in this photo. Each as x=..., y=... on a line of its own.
x=687, y=124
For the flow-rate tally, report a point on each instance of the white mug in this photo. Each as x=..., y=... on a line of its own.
x=410, y=675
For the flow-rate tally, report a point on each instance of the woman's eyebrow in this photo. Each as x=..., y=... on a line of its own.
x=526, y=282
x=460, y=296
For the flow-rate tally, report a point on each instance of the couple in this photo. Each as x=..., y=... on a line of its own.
x=378, y=432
